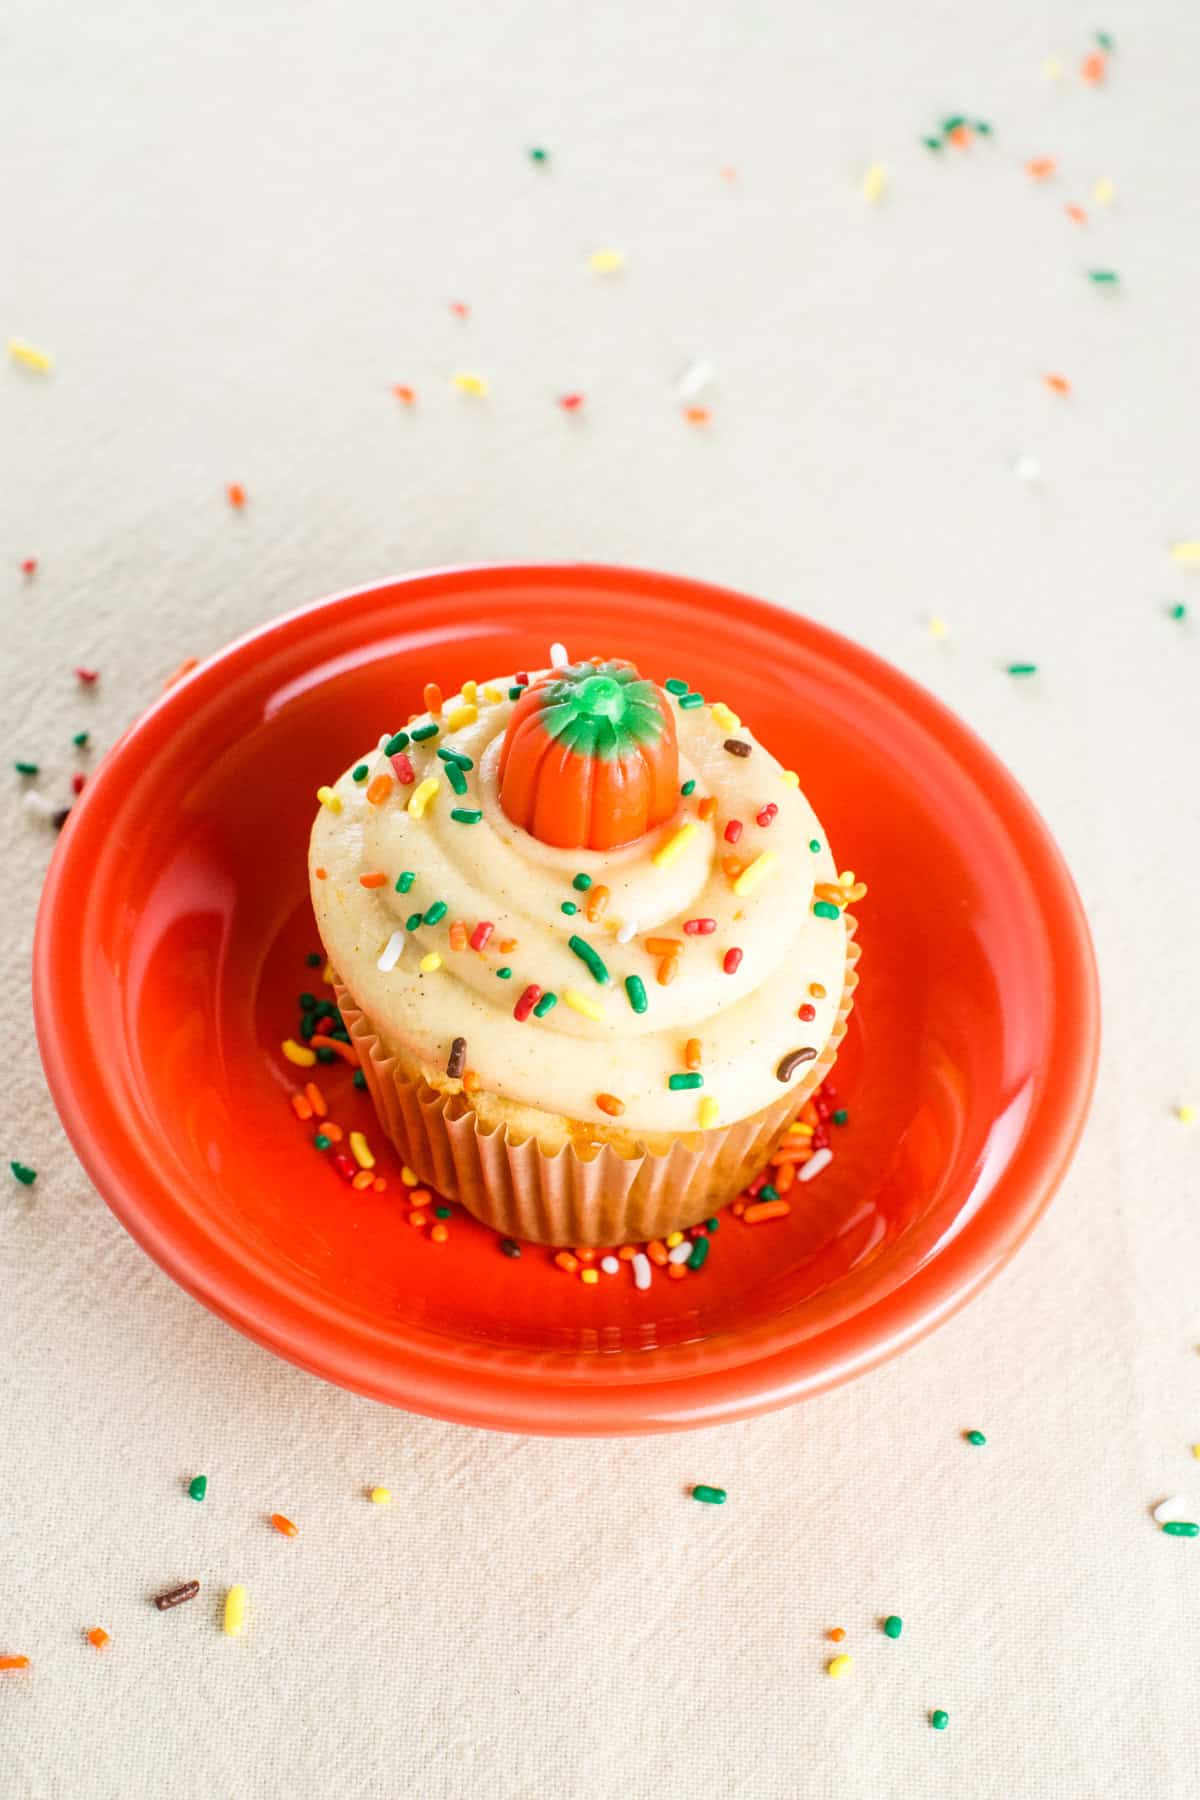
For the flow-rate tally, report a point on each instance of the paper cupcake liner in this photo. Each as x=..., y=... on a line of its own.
x=596, y=1197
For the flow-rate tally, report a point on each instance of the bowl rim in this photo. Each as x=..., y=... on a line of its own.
x=537, y=1391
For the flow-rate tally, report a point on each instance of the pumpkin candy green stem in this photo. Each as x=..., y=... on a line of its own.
x=589, y=759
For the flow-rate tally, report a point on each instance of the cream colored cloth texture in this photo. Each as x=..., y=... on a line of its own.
x=235, y=232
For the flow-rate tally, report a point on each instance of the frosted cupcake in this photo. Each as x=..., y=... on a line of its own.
x=591, y=946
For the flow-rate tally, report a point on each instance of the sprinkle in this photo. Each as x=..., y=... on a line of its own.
x=198, y=1487
x=420, y=733
x=88, y=676
x=1058, y=383
x=345, y=1051
x=1104, y=193
x=697, y=1253
x=558, y=656
x=666, y=853
x=514, y=693
x=824, y=909
x=1181, y=1528
x=381, y=1496
x=361, y=773
x=528, y=1000
x=510, y=1247
x=456, y=1062
x=590, y=959
x=391, y=953
x=97, y=1637
x=837, y=1666
x=1187, y=552
x=429, y=963
x=403, y=392
x=1186, y=1114
x=692, y=1052
x=546, y=1004
x=80, y=739
x=763, y=865
x=405, y=773
x=597, y=902
x=675, y=686
x=466, y=383
x=814, y=845
x=481, y=934
x=1103, y=277
x=236, y=495
x=1021, y=668
x=1076, y=213
x=731, y=962
x=23, y=1173
x=1041, y=168
x=566, y=1262
x=689, y=702
x=711, y=1496
x=569, y=907
x=691, y=1080
x=374, y=879
x=235, y=1611
x=465, y=815
x=28, y=357
x=1175, y=1508
x=939, y=1719
x=14, y=1662
x=837, y=1635
x=176, y=1596
x=643, y=1275
x=693, y=380
x=284, y=1525
x=413, y=921
x=379, y=789
x=298, y=1054
x=610, y=1265
x=26, y=768
x=635, y=988
x=667, y=970
x=893, y=1625
x=581, y=883
x=608, y=1103
x=460, y=717
x=421, y=796
x=874, y=184
x=570, y=402
x=395, y=744
x=766, y=1209
x=589, y=1277
x=688, y=789
x=627, y=932
x=606, y=262
x=581, y=1003
x=768, y=813
x=789, y=778
x=697, y=415
x=737, y=746
x=1093, y=68
x=791, y=1062
x=709, y=1113
x=975, y=1437
x=820, y=1159
x=315, y=1098
x=360, y=1150
x=457, y=935
x=807, y=1012
x=328, y=798
x=1178, y=611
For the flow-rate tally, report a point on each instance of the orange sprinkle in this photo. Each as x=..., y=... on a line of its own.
x=668, y=969
x=831, y=891
x=379, y=789
x=284, y=1526
x=1042, y=167
x=960, y=137
x=657, y=1252
x=784, y=1159
x=363, y=1180
x=586, y=1256
x=608, y=1103
x=785, y=1176
x=837, y=1634
x=739, y=1207
x=663, y=946
x=1094, y=68
x=766, y=1209
x=732, y=867
x=333, y=1132
x=315, y=1098
x=1077, y=213
x=626, y=1253
x=697, y=415
x=470, y=1081
x=376, y=879
x=347, y=1052
x=97, y=1637
x=691, y=1054
x=432, y=696
x=14, y=1662
x=417, y=1219
x=506, y=946
x=419, y=1196
x=320, y=874
x=816, y=990
x=237, y=494
x=458, y=935
x=597, y=902
x=1059, y=383
x=405, y=393
x=809, y=1114
x=379, y=1185
x=439, y=1234
x=707, y=807
x=300, y=1107
x=564, y=1260
x=676, y=1271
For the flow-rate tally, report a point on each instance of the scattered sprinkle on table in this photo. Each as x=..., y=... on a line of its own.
x=893, y=1625
x=606, y=262
x=468, y=383
x=1181, y=1528
x=97, y=1637
x=381, y=1496
x=837, y=1666
x=24, y=1174
x=837, y=1635
x=284, y=1525
x=974, y=1437
x=939, y=1719
x=29, y=357
x=711, y=1496
x=187, y=1590
x=198, y=1487
x=1021, y=668
x=234, y=1621
x=8, y=1663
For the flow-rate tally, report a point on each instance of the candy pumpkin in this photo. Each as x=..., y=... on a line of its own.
x=589, y=760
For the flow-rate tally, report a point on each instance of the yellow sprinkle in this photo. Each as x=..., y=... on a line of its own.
x=235, y=1611
x=762, y=866
x=710, y=1112
x=676, y=1237
x=583, y=1003
x=800, y=1130
x=938, y=627
x=1186, y=1114
x=469, y=690
x=360, y=1150
x=409, y=1177
x=874, y=184
x=727, y=720
x=25, y=353
x=1196, y=1451
x=789, y=778
x=1187, y=552
x=381, y=1496
x=327, y=974
x=665, y=855
x=1052, y=68
x=606, y=262
x=462, y=715
x=1104, y=193
x=429, y=963
x=467, y=383
x=837, y=1666
x=300, y=1054
x=328, y=798
x=589, y=1276
x=421, y=795
x=492, y=695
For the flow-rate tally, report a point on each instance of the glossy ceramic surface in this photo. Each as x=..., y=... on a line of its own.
x=171, y=947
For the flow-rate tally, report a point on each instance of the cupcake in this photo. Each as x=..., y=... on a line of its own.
x=591, y=946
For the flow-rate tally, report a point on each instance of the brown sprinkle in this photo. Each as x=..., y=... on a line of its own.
x=791, y=1062
x=177, y=1596
x=456, y=1062
x=737, y=746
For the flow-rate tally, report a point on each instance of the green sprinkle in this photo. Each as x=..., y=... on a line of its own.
x=893, y=1625
x=713, y=1224
x=699, y=1253
x=814, y=845
x=1179, y=610
x=456, y=778
x=24, y=1174
x=514, y=693
x=1022, y=669
x=688, y=789
x=425, y=731
x=974, y=1437
x=840, y=1116
x=360, y=1080
x=454, y=756
x=569, y=907
x=80, y=739
x=198, y=1487
x=952, y=124
x=412, y=921
x=825, y=909
x=466, y=815
x=932, y=143
x=546, y=1004
x=326, y=1056
x=441, y=1212
x=321, y=1142
x=689, y=702
x=1105, y=40
x=313, y=959
x=983, y=128
x=26, y=768
x=581, y=883
x=635, y=987
x=306, y=1002
x=710, y=1495
x=1103, y=277
x=308, y=1024
x=505, y=973
x=674, y=686
x=510, y=1247
x=939, y=1719
x=1181, y=1528
x=767, y=1192
x=436, y=913
x=592, y=961
x=406, y=880
x=676, y=1082
x=361, y=773
x=395, y=744
x=538, y=155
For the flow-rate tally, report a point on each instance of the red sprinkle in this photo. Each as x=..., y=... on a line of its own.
x=767, y=814
x=733, y=831
x=806, y=1012
x=77, y=782
x=460, y=309
x=87, y=676
x=1077, y=213
x=481, y=934
x=699, y=927
x=527, y=1002
x=521, y=678
x=570, y=402
x=405, y=773
x=29, y=566
x=345, y=1165
x=732, y=961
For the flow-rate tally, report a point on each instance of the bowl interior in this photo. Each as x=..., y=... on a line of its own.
x=175, y=948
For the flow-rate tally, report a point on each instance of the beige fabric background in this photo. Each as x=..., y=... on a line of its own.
x=235, y=228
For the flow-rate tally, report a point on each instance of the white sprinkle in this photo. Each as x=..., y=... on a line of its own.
x=384, y=741
x=392, y=952
x=693, y=380
x=558, y=656
x=681, y=1252
x=610, y=1265
x=643, y=1275
x=627, y=931
x=1174, y=1508
x=38, y=805
x=1027, y=468
x=821, y=1159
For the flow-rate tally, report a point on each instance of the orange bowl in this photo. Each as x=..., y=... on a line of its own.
x=171, y=948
